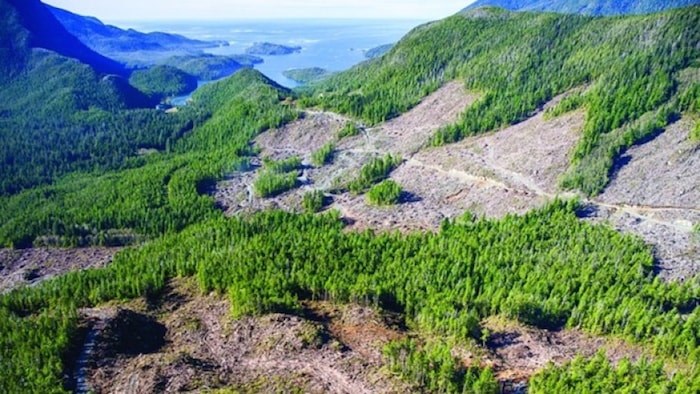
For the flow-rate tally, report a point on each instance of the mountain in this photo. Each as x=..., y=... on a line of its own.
x=119, y=43
x=588, y=7
x=64, y=107
x=520, y=61
x=30, y=24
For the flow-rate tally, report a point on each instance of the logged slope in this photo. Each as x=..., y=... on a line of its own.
x=521, y=61
x=591, y=7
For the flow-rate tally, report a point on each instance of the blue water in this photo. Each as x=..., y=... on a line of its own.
x=335, y=45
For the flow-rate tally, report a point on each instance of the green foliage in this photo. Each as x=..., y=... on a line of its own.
x=324, y=155
x=432, y=368
x=597, y=375
x=271, y=183
x=519, y=61
x=163, y=81
x=349, y=130
x=445, y=283
x=313, y=201
x=162, y=195
x=306, y=75
x=374, y=171
x=567, y=104
x=591, y=173
x=206, y=67
x=281, y=166
x=385, y=193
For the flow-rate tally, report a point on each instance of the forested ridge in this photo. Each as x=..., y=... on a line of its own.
x=591, y=7
x=520, y=61
x=160, y=193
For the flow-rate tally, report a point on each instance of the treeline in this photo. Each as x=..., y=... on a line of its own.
x=598, y=375
x=162, y=195
x=546, y=268
x=520, y=61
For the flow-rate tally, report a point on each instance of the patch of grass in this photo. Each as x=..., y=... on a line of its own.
x=695, y=133
x=313, y=201
x=323, y=156
x=349, y=130
x=270, y=183
x=373, y=172
x=385, y=193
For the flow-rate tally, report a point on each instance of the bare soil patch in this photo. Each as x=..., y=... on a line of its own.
x=510, y=171
x=655, y=194
x=205, y=349
x=410, y=132
x=517, y=352
x=662, y=172
x=30, y=266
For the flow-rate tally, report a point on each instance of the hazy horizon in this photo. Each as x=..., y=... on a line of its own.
x=204, y=10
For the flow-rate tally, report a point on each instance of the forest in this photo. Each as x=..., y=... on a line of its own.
x=546, y=269
x=519, y=62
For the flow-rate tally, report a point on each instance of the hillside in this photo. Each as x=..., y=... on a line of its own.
x=503, y=202
x=124, y=44
x=596, y=7
x=29, y=24
x=520, y=61
x=61, y=113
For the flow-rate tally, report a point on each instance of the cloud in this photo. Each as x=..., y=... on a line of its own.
x=261, y=9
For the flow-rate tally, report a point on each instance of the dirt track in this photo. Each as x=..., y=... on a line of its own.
x=512, y=170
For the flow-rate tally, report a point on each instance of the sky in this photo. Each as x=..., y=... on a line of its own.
x=126, y=10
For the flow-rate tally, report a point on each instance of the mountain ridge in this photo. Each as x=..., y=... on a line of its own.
x=43, y=30
x=114, y=41
x=587, y=7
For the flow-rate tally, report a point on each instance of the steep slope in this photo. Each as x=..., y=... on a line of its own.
x=520, y=61
x=113, y=41
x=63, y=107
x=589, y=7
x=34, y=26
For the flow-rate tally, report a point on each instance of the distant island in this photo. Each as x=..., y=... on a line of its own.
x=378, y=51
x=306, y=75
x=269, y=49
x=207, y=67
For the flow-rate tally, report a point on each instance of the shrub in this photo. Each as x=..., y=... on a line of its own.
x=282, y=166
x=313, y=201
x=349, y=130
x=375, y=171
x=270, y=183
x=323, y=156
x=385, y=193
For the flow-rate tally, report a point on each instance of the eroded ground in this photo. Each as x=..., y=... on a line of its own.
x=194, y=345
x=30, y=266
x=189, y=342
x=512, y=170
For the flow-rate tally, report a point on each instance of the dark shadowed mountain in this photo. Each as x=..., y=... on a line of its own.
x=589, y=7
x=29, y=24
